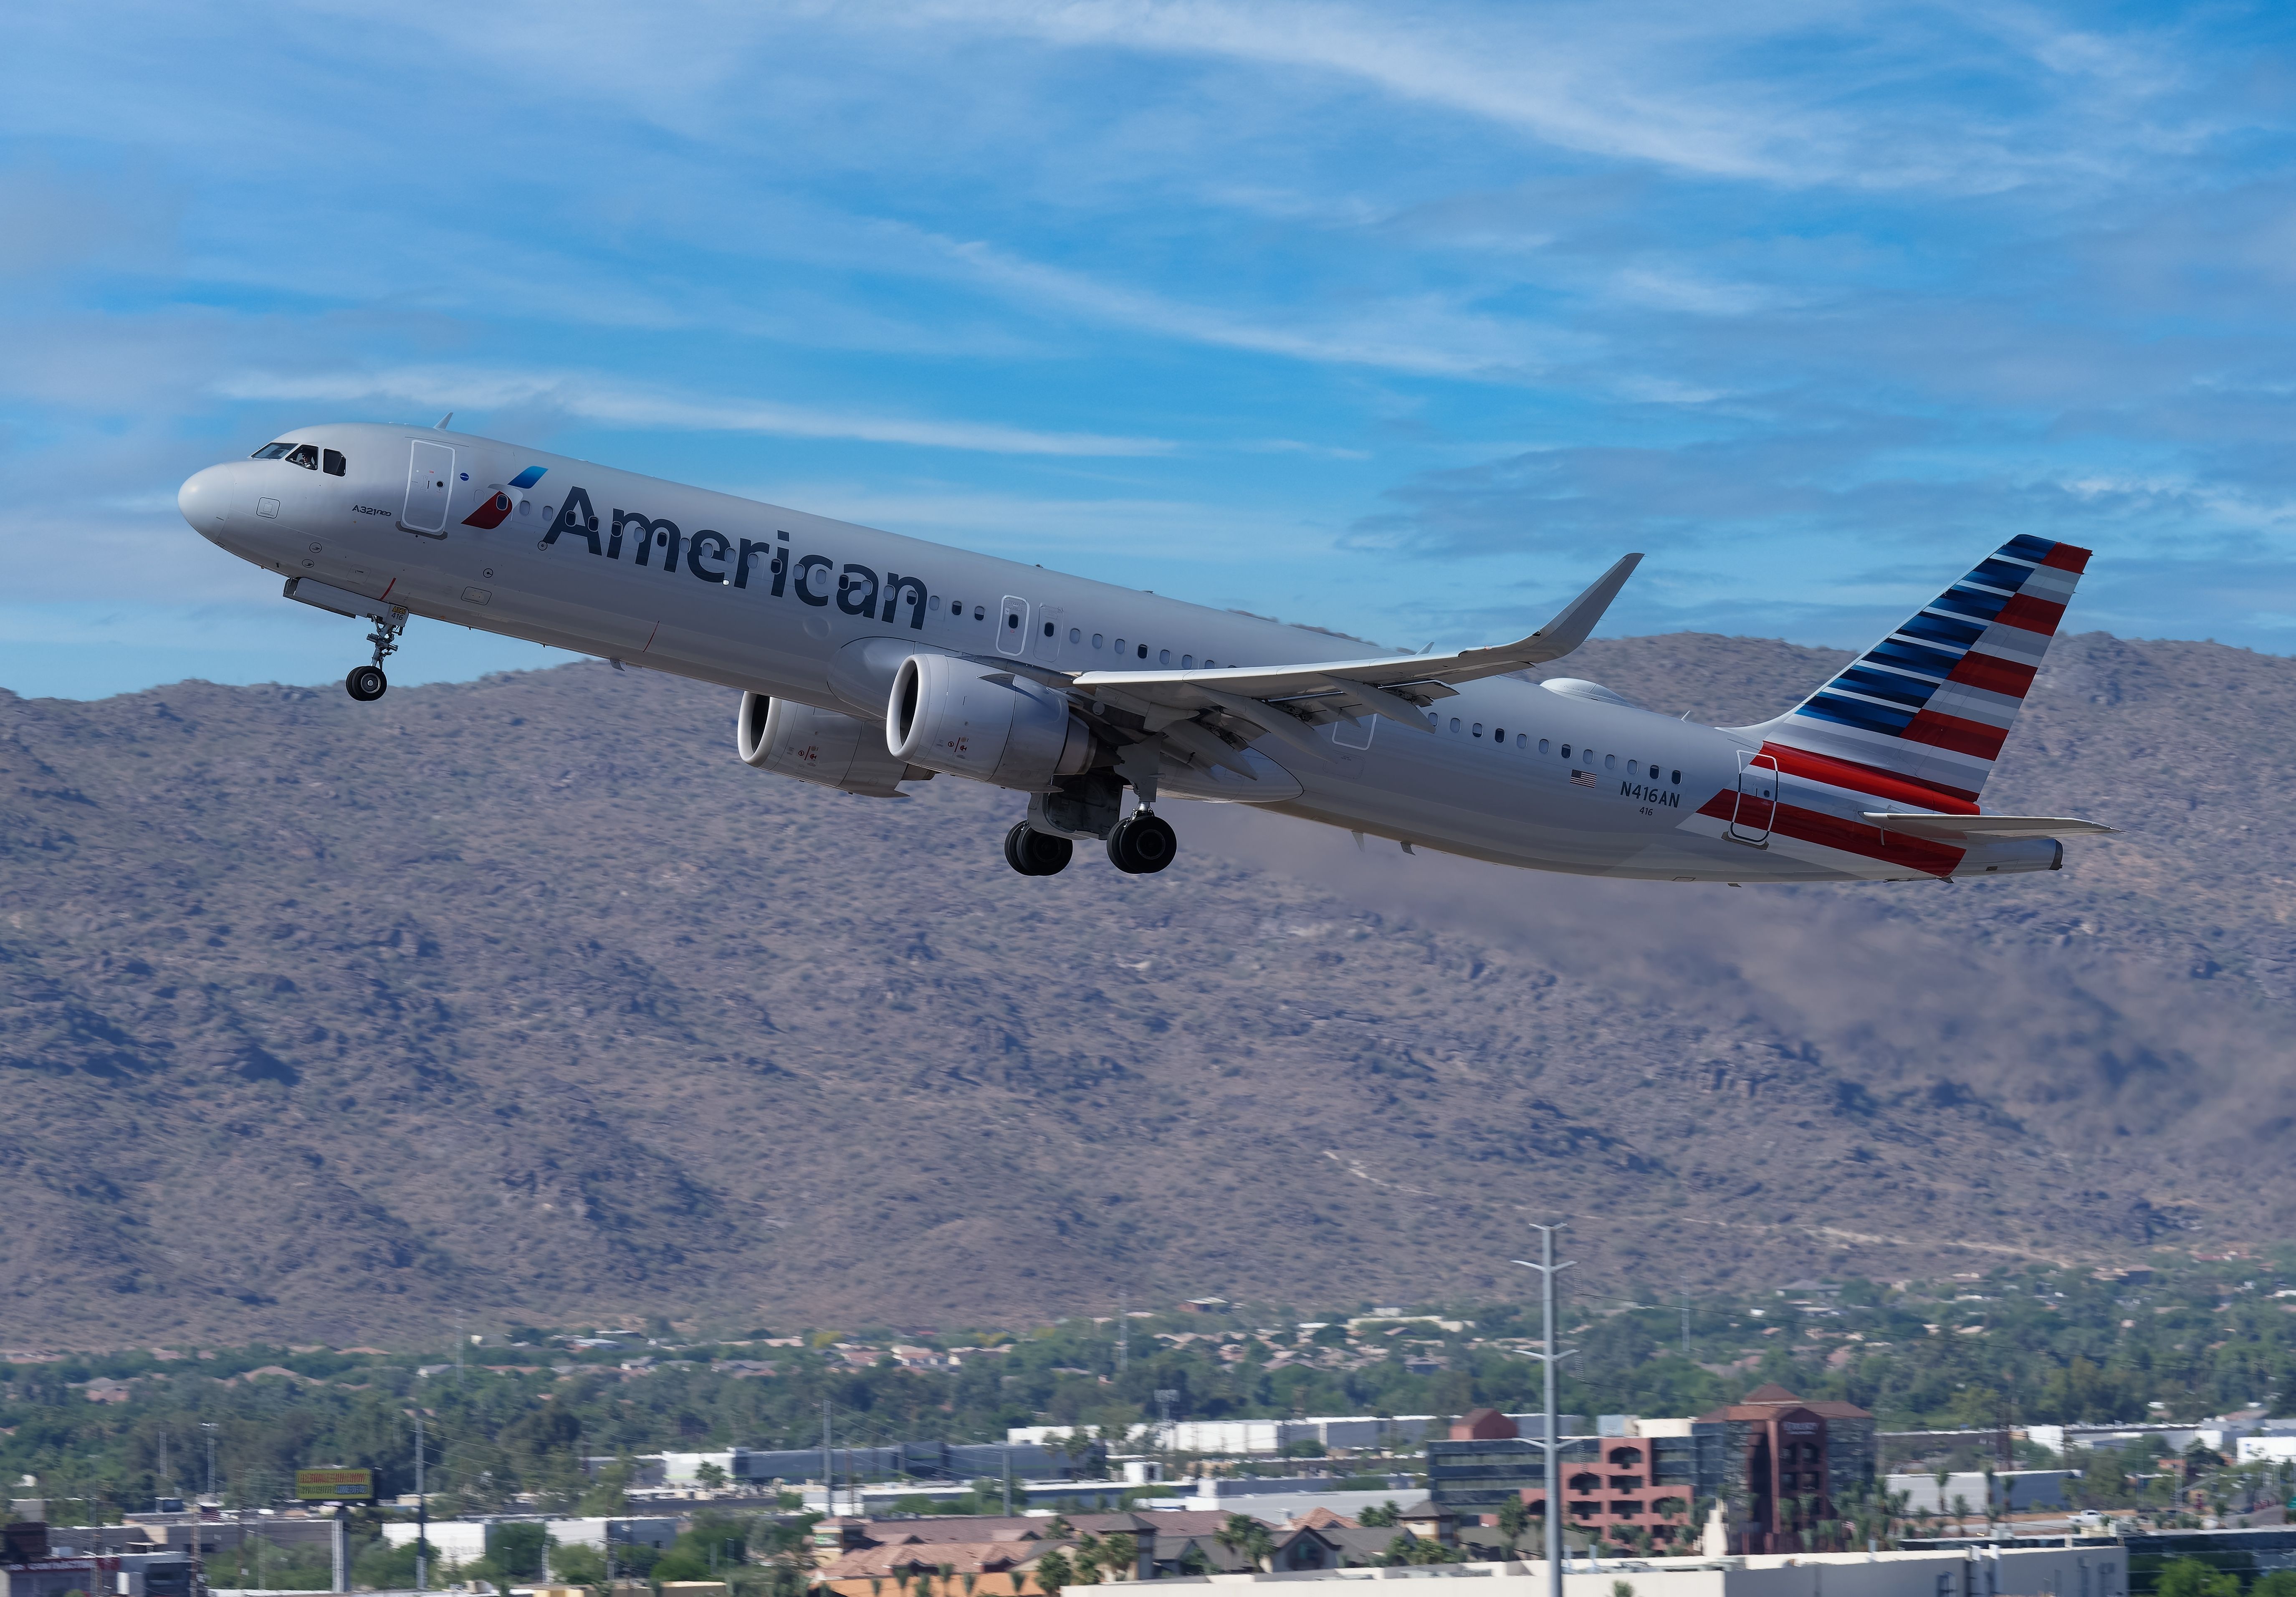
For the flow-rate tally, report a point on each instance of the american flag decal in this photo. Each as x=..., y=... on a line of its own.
x=1582, y=778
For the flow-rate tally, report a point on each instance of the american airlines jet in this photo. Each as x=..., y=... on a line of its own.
x=865, y=660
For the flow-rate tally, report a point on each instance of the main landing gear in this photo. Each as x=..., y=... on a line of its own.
x=1141, y=844
x=1035, y=853
x=366, y=683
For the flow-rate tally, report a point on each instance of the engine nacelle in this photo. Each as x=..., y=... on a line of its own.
x=823, y=746
x=957, y=716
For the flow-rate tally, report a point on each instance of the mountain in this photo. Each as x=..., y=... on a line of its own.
x=522, y=999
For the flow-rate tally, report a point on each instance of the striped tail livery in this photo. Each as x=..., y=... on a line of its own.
x=1917, y=722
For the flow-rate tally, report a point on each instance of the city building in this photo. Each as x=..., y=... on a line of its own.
x=1782, y=1464
x=31, y=1566
x=2087, y=1571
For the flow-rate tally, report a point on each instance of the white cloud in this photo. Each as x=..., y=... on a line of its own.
x=596, y=397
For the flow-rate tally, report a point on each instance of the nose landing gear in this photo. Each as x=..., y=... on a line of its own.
x=366, y=683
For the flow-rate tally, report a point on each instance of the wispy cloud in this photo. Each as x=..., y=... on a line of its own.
x=599, y=398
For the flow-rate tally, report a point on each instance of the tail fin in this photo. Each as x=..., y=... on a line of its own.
x=1919, y=717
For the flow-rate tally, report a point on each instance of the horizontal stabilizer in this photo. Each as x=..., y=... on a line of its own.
x=1952, y=829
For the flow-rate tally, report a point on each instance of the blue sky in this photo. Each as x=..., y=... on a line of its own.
x=1400, y=320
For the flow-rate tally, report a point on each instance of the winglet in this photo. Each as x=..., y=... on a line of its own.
x=1578, y=619
x=443, y=420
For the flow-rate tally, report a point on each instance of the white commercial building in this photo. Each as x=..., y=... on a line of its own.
x=2100, y=1571
x=2014, y=1491
x=464, y=1541
x=1263, y=1438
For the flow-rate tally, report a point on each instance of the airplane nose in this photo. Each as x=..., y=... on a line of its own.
x=201, y=499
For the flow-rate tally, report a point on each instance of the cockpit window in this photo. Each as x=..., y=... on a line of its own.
x=336, y=464
x=306, y=456
x=271, y=451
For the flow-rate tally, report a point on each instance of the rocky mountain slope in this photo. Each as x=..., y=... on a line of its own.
x=522, y=999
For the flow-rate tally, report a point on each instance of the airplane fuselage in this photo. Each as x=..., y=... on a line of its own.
x=804, y=608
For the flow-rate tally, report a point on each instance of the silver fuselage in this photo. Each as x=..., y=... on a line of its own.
x=1476, y=784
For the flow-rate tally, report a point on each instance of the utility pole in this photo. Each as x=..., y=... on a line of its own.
x=828, y=1465
x=421, y=1511
x=1008, y=1480
x=208, y=1426
x=340, y=1540
x=1123, y=1336
x=1553, y=1445
x=1686, y=1322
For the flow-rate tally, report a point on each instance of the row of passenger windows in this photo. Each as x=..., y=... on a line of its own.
x=1076, y=635
x=309, y=456
x=1584, y=758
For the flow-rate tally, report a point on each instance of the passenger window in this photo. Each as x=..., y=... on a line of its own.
x=1208, y=662
x=1479, y=729
x=1542, y=745
x=1566, y=751
x=1609, y=762
x=1187, y=662
x=1677, y=778
x=1143, y=651
x=1013, y=622
x=1454, y=723
x=1096, y=637
x=1633, y=769
x=1048, y=629
x=1522, y=740
x=1076, y=635
x=336, y=465
x=1163, y=656
x=1119, y=645
x=306, y=456
x=981, y=612
x=271, y=451
x=1498, y=734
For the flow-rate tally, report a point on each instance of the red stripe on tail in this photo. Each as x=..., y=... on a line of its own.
x=2065, y=557
x=1895, y=785
x=1951, y=732
x=1993, y=674
x=2032, y=614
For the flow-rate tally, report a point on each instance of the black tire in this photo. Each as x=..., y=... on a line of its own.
x=366, y=683
x=1142, y=845
x=1035, y=853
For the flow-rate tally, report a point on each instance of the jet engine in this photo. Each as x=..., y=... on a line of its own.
x=993, y=726
x=822, y=746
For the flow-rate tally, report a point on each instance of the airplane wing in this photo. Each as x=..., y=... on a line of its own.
x=1287, y=701
x=1953, y=829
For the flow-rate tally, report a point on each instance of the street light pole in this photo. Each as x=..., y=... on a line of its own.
x=1546, y=1268
x=421, y=1511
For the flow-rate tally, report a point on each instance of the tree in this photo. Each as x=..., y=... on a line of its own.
x=712, y=1476
x=1053, y=1571
x=2192, y=1578
x=1960, y=1514
x=1089, y=1552
x=1246, y=1538
x=1119, y=1555
x=1379, y=1517
x=1514, y=1519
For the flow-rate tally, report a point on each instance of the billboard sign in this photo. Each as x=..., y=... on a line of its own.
x=334, y=1485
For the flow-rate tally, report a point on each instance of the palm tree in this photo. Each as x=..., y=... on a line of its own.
x=1088, y=1555
x=1960, y=1514
x=1247, y=1538
x=1052, y=1572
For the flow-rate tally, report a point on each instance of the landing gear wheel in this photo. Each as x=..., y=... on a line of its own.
x=366, y=683
x=1142, y=844
x=1035, y=853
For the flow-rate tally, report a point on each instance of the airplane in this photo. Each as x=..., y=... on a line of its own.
x=867, y=660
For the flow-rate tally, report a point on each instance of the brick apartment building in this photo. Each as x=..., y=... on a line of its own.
x=1782, y=1465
